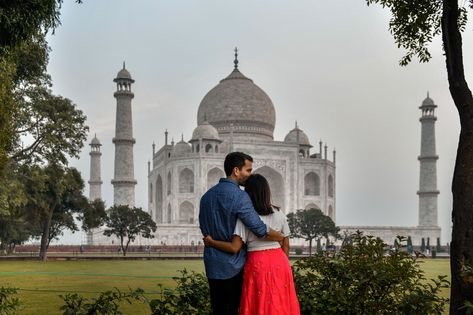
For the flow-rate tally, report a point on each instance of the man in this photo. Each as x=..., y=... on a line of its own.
x=220, y=207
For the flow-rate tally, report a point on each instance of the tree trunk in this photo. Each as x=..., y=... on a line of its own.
x=462, y=186
x=310, y=247
x=43, y=251
x=126, y=247
x=122, y=247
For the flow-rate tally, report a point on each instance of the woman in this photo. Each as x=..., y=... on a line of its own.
x=268, y=286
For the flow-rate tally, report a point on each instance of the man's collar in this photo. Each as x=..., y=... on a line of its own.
x=229, y=180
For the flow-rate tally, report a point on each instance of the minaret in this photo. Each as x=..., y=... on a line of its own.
x=428, y=166
x=95, y=182
x=123, y=181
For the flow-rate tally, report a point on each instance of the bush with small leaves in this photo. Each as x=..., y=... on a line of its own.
x=8, y=303
x=364, y=278
x=191, y=296
x=107, y=303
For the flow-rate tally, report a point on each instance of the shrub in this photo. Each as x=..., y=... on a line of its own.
x=363, y=279
x=8, y=303
x=191, y=296
x=108, y=302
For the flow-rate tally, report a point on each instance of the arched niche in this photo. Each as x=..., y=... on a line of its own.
x=311, y=184
x=159, y=200
x=213, y=176
x=186, y=213
x=186, y=181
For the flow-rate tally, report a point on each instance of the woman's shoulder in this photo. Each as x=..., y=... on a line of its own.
x=277, y=212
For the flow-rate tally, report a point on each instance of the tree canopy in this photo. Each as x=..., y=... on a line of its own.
x=54, y=198
x=127, y=224
x=311, y=225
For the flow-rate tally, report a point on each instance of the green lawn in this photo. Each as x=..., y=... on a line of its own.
x=42, y=282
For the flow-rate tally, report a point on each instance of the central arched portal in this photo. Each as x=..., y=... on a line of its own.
x=276, y=184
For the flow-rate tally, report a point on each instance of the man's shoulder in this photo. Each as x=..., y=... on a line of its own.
x=225, y=186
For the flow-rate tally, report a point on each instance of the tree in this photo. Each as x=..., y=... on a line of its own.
x=23, y=24
x=363, y=279
x=55, y=126
x=311, y=224
x=319, y=246
x=55, y=196
x=14, y=230
x=127, y=223
x=413, y=25
x=94, y=216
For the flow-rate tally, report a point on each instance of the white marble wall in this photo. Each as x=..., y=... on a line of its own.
x=272, y=158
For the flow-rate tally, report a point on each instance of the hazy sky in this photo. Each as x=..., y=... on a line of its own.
x=330, y=65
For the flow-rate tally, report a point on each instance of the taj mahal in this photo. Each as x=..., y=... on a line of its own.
x=237, y=115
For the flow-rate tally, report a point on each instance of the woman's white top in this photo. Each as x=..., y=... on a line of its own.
x=276, y=220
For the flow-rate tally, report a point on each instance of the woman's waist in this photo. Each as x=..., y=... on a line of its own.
x=262, y=245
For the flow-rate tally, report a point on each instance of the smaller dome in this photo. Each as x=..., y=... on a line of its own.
x=181, y=148
x=95, y=141
x=205, y=131
x=428, y=101
x=298, y=136
x=123, y=74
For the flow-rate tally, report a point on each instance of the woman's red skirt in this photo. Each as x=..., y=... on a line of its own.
x=268, y=286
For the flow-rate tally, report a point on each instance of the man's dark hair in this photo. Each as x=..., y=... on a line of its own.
x=235, y=159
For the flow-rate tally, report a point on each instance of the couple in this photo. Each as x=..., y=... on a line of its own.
x=229, y=221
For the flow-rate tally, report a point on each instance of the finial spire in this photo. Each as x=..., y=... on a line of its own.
x=123, y=64
x=182, y=137
x=296, y=125
x=427, y=93
x=235, y=62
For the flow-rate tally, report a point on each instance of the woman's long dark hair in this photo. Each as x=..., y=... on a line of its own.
x=257, y=188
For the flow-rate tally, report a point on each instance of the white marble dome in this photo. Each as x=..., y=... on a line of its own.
x=205, y=131
x=298, y=136
x=238, y=106
x=181, y=148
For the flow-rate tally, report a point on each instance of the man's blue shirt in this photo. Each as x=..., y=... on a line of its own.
x=220, y=207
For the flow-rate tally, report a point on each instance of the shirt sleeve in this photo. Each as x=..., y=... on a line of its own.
x=202, y=218
x=285, y=226
x=247, y=214
x=241, y=231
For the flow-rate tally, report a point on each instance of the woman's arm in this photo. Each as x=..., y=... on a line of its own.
x=285, y=245
x=232, y=247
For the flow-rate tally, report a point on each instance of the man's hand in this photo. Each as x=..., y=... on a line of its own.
x=208, y=240
x=274, y=235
